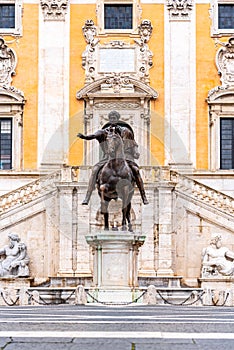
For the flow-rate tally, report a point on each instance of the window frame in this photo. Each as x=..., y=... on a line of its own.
x=117, y=5
x=136, y=12
x=17, y=30
x=221, y=140
x=11, y=146
x=214, y=14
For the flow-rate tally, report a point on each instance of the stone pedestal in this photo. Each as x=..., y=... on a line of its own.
x=115, y=268
x=218, y=290
x=12, y=288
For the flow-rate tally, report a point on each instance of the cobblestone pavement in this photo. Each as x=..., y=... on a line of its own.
x=71, y=327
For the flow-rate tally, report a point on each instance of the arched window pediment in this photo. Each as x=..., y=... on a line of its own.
x=121, y=86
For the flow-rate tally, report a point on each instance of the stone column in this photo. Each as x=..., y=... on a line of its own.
x=53, y=94
x=180, y=84
x=165, y=247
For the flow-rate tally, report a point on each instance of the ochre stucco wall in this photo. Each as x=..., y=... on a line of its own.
x=26, y=80
x=207, y=78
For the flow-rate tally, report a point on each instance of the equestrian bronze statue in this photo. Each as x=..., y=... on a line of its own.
x=115, y=158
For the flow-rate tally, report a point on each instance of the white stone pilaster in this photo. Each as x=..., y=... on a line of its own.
x=53, y=85
x=180, y=87
x=165, y=248
x=66, y=267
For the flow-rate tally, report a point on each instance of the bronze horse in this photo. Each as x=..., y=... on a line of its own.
x=115, y=180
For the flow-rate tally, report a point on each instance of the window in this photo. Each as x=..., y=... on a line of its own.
x=5, y=143
x=10, y=17
x=7, y=16
x=226, y=16
x=117, y=16
x=222, y=17
x=227, y=143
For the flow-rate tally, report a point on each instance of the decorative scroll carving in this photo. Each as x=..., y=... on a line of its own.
x=117, y=82
x=7, y=64
x=90, y=31
x=225, y=66
x=145, y=31
x=179, y=9
x=54, y=10
x=136, y=60
x=89, y=56
x=225, y=62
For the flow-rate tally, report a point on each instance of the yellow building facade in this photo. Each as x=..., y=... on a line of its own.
x=201, y=43
x=167, y=68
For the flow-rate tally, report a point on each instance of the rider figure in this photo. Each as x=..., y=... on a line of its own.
x=100, y=136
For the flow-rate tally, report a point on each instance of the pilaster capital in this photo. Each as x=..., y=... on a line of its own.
x=179, y=9
x=54, y=10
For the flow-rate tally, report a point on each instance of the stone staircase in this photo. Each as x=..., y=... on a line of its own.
x=184, y=185
x=202, y=194
x=29, y=192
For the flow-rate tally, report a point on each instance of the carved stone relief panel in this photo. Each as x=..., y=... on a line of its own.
x=54, y=10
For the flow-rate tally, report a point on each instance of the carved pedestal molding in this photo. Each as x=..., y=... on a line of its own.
x=115, y=265
x=179, y=9
x=54, y=10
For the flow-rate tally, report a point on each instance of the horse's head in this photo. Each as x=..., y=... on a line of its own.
x=114, y=145
x=131, y=148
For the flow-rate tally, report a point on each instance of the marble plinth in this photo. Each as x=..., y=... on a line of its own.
x=115, y=265
x=15, y=282
x=218, y=290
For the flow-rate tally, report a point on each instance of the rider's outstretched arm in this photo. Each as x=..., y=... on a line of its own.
x=86, y=137
x=96, y=135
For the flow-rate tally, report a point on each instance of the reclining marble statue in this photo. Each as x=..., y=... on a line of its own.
x=130, y=151
x=217, y=260
x=15, y=258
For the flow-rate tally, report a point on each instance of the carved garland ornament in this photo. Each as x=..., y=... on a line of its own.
x=179, y=9
x=54, y=10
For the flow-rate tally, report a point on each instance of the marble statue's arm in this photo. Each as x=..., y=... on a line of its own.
x=229, y=254
x=2, y=251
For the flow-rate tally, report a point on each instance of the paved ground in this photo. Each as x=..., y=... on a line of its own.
x=70, y=327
